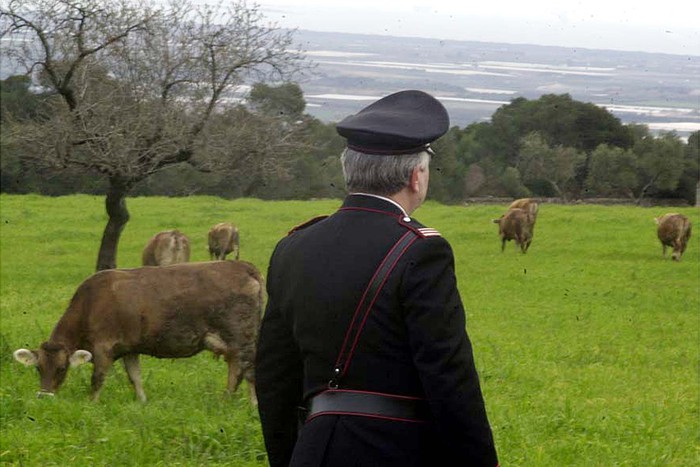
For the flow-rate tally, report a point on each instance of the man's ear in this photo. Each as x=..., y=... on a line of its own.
x=414, y=183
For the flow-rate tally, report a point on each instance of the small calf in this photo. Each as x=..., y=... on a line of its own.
x=166, y=248
x=673, y=230
x=528, y=205
x=516, y=224
x=223, y=239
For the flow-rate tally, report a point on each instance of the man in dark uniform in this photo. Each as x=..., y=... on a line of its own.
x=363, y=358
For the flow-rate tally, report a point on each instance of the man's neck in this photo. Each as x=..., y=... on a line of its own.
x=400, y=199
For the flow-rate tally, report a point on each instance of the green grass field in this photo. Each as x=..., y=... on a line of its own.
x=587, y=346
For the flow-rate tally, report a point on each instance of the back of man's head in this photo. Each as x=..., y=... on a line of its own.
x=380, y=174
x=390, y=137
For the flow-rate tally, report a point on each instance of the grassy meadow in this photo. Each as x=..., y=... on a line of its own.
x=587, y=346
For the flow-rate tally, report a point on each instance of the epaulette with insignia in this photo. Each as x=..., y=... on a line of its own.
x=423, y=232
x=306, y=224
x=428, y=232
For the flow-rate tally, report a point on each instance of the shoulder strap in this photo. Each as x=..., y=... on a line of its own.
x=306, y=224
x=352, y=335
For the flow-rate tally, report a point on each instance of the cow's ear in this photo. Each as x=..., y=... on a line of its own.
x=79, y=357
x=25, y=357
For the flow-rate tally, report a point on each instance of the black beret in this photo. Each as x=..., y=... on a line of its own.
x=401, y=123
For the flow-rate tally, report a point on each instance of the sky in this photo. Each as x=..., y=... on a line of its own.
x=666, y=27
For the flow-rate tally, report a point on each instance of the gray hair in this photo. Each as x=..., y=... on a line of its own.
x=379, y=174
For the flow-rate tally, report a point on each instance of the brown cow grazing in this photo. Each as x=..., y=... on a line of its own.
x=673, y=230
x=167, y=312
x=223, y=239
x=516, y=224
x=529, y=205
x=166, y=248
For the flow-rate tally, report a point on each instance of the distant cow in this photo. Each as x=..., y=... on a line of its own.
x=223, y=239
x=516, y=224
x=673, y=230
x=166, y=248
x=529, y=205
x=167, y=312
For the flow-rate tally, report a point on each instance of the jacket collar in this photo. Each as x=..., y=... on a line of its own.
x=374, y=203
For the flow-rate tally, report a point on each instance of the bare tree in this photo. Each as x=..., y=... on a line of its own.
x=141, y=86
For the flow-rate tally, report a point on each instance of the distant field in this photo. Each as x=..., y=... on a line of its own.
x=587, y=346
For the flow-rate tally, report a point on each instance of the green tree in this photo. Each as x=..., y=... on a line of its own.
x=612, y=172
x=447, y=173
x=18, y=102
x=660, y=163
x=690, y=179
x=513, y=184
x=560, y=120
x=285, y=101
x=554, y=165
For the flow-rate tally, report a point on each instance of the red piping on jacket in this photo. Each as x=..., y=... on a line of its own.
x=377, y=211
x=374, y=299
x=359, y=307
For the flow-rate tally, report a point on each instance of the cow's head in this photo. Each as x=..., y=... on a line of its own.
x=52, y=361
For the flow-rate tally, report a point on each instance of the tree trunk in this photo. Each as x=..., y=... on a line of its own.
x=644, y=190
x=118, y=217
x=558, y=191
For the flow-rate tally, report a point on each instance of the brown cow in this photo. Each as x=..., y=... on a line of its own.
x=166, y=248
x=673, y=230
x=516, y=224
x=529, y=205
x=167, y=312
x=223, y=239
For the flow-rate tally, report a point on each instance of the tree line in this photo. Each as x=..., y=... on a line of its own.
x=162, y=97
x=553, y=146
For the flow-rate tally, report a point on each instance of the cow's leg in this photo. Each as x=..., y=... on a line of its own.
x=214, y=343
x=663, y=250
x=133, y=369
x=251, y=391
x=675, y=248
x=102, y=361
x=249, y=375
x=503, y=244
x=234, y=371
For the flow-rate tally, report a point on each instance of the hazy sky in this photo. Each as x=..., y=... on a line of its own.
x=670, y=26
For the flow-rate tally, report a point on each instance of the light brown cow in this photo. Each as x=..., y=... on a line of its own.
x=516, y=224
x=166, y=248
x=529, y=205
x=223, y=239
x=167, y=312
x=673, y=230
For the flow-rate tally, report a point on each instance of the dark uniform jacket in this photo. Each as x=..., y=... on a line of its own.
x=413, y=343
